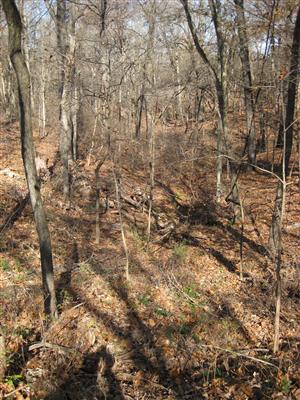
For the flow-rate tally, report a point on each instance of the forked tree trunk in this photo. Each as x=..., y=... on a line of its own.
x=220, y=81
x=28, y=154
x=287, y=129
x=222, y=131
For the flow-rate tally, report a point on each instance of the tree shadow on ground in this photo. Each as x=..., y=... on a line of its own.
x=96, y=376
x=205, y=214
x=197, y=214
x=146, y=355
x=66, y=276
x=193, y=241
x=236, y=234
x=223, y=310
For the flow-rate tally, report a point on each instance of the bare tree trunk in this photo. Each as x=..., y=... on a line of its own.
x=66, y=138
x=25, y=46
x=93, y=135
x=247, y=80
x=122, y=227
x=74, y=119
x=2, y=356
x=179, y=88
x=220, y=80
x=97, y=219
x=174, y=61
x=9, y=98
x=23, y=78
x=64, y=19
x=139, y=112
x=219, y=164
x=42, y=119
x=152, y=175
x=287, y=129
x=222, y=94
x=276, y=247
x=242, y=241
x=219, y=90
x=3, y=88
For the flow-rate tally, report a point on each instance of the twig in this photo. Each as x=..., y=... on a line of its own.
x=14, y=391
x=48, y=345
x=255, y=166
x=189, y=298
x=239, y=354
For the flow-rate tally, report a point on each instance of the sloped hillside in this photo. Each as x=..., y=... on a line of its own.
x=184, y=326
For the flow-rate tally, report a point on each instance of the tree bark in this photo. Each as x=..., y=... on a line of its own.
x=247, y=80
x=65, y=33
x=287, y=129
x=220, y=95
x=28, y=153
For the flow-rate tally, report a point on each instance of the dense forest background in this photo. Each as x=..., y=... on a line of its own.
x=149, y=208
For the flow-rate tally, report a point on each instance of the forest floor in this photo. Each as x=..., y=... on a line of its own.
x=184, y=326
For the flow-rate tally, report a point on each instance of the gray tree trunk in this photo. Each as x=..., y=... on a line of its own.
x=28, y=153
x=287, y=130
x=220, y=95
x=65, y=33
x=247, y=80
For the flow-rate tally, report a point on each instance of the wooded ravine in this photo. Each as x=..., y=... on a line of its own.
x=149, y=199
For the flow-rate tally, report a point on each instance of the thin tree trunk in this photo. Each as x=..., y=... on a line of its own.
x=2, y=356
x=247, y=80
x=152, y=175
x=222, y=94
x=242, y=241
x=43, y=103
x=219, y=164
x=97, y=219
x=139, y=112
x=66, y=139
x=25, y=47
x=74, y=112
x=28, y=154
x=65, y=33
x=93, y=136
x=278, y=213
x=220, y=98
x=122, y=227
x=179, y=88
x=2, y=87
x=287, y=127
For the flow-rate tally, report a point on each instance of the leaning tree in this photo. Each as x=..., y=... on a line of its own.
x=27, y=145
